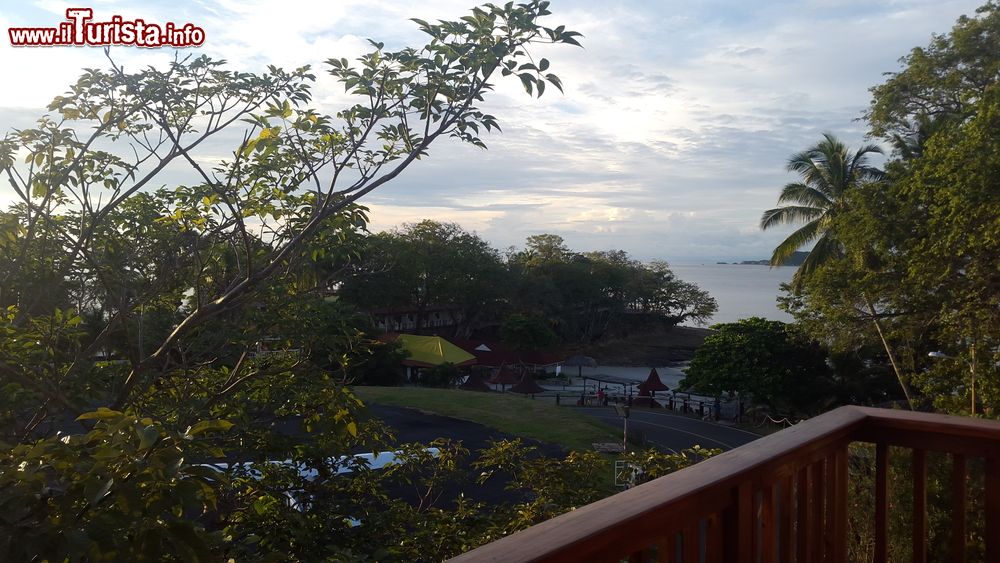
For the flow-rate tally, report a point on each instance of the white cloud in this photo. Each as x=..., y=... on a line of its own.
x=670, y=139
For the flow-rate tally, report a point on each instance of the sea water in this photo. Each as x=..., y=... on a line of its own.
x=741, y=290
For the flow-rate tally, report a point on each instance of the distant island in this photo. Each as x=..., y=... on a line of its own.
x=796, y=259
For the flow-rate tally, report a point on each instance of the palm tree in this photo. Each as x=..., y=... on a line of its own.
x=828, y=171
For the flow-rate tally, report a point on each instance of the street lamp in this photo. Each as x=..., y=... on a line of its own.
x=939, y=355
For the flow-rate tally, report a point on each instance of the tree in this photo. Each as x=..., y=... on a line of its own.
x=656, y=289
x=829, y=170
x=223, y=262
x=944, y=251
x=766, y=360
x=546, y=249
x=941, y=82
x=830, y=173
x=918, y=246
x=593, y=295
x=527, y=332
x=430, y=264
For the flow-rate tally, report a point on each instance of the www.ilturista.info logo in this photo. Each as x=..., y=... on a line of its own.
x=80, y=30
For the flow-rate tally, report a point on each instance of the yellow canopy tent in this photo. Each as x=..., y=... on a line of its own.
x=430, y=351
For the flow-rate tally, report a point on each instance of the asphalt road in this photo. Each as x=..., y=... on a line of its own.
x=675, y=432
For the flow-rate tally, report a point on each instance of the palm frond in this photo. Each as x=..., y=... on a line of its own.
x=804, y=194
x=801, y=237
x=860, y=170
x=827, y=170
x=832, y=144
x=836, y=156
x=807, y=164
x=789, y=214
x=825, y=249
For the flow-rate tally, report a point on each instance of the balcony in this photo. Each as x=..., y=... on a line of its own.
x=781, y=498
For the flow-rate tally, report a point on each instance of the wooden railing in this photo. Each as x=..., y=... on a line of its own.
x=782, y=498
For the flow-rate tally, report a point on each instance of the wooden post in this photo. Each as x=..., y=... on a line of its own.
x=919, y=506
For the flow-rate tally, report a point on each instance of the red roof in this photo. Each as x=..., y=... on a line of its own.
x=527, y=386
x=474, y=383
x=653, y=383
x=495, y=353
x=505, y=377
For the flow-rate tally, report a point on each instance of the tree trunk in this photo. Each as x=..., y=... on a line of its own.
x=892, y=355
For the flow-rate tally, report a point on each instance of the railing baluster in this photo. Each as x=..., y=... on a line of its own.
x=958, y=510
x=881, y=503
x=919, y=506
x=670, y=549
x=641, y=556
x=691, y=544
x=992, y=531
x=840, y=504
x=785, y=519
x=830, y=522
x=817, y=551
x=767, y=528
x=803, y=490
x=714, y=539
x=747, y=527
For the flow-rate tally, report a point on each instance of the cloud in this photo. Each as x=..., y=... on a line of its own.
x=670, y=139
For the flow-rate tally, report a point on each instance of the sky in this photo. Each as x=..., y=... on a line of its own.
x=669, y=141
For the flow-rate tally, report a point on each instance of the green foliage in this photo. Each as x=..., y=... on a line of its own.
x=443, y=375
x=861, y=508
x=144, y=327
x=918, y=269
x=121, y=491
x=555, y=485
x=430, y=265
x=527, y=332
x=382, y=365
x=941, y=82
x=829, y=171
x=581, y=297
x=595, y=295
x=768, y=361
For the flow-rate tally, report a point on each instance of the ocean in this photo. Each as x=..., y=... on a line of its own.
x=742, y=291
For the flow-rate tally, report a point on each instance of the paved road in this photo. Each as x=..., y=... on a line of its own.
x=675, y=432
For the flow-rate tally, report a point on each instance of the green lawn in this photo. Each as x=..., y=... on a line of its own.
x=513, y=414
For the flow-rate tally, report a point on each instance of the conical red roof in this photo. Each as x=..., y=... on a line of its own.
x=527, y=386
x=653, y=382
x=474, y=383
x=504, y=377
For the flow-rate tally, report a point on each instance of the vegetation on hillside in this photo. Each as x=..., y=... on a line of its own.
x=578, y=297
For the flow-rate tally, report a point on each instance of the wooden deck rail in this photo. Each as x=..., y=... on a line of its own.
x=782, y=498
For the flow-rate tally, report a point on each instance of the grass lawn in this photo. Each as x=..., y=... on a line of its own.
x=513, y=414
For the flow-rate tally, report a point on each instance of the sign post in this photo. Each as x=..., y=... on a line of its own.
x=623, y=411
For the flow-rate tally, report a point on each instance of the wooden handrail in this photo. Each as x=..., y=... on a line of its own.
x=746, y=502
